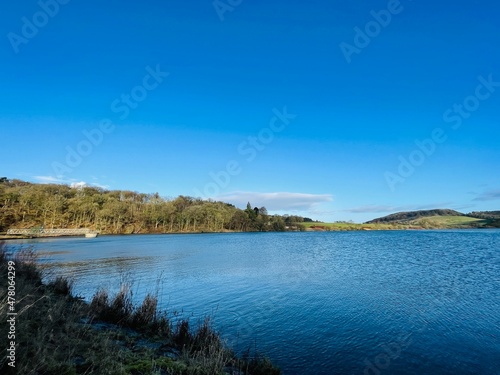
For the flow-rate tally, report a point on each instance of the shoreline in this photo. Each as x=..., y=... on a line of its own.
x=108, y=335
x=22, y=237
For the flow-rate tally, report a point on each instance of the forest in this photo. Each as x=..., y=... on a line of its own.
x=29, y=205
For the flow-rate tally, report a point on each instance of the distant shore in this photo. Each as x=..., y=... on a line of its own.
x=319, y=228
x=43, y=207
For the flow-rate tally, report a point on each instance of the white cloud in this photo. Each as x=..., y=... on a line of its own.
x=280, y=201
x=50, y=180
x=56, y=180
x=70, y=181
x=78, y=185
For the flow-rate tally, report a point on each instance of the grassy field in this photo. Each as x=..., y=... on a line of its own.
x=430, y=222
x=449, y=222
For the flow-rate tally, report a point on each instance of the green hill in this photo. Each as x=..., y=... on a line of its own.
x=406, y=217
x=449, y=222
x=441, y=219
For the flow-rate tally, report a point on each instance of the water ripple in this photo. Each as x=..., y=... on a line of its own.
x=322, y=303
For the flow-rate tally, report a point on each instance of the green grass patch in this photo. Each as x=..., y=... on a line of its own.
x=430, y=222
x=449, y=222
x=346, y=226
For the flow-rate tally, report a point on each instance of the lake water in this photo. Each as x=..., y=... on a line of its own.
x=389, y=302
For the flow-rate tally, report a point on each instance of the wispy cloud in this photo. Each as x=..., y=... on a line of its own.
x=53, y=180
x=105, y=187
x=432, y=206
x=277, y=201
x=491, y=195
x=462, y=207
x=69, y=181
x=371, y=209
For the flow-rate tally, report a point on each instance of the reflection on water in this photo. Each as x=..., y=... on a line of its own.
x=317, y=303
x=101, y=267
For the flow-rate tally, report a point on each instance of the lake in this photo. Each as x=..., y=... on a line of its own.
x=372, y=302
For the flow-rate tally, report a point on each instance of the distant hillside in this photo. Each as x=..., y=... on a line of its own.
x=491, y=218
x=442, y=219
x=405, y=217
x=493, y=215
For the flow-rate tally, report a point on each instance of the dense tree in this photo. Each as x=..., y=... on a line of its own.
x=27, y=205
x=278, y=224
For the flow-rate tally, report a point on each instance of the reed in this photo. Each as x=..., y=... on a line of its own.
x=59, y=333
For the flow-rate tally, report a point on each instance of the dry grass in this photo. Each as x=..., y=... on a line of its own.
x=57, y=333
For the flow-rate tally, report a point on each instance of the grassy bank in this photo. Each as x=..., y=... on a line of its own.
x=55, y=332
x=347, y=226
x=430, y=222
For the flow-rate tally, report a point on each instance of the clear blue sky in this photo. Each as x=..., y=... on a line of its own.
x=312, y=107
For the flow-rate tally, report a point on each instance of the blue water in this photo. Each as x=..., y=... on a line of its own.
x=401, y=302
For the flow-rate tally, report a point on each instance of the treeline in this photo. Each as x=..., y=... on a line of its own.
x=27, y=205
x=492, y=215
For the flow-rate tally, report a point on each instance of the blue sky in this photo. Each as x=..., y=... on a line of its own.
x=337, y=110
